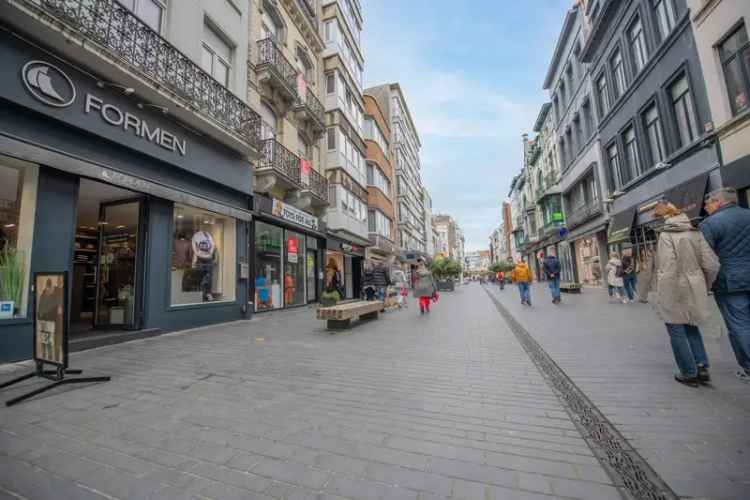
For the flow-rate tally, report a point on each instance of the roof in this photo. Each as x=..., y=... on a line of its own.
x=395, y=86
x=542, y=116
x=568, y=23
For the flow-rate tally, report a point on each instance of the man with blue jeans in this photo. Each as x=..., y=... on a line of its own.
x=521, y=276
x=727, y=230
x=552, y=271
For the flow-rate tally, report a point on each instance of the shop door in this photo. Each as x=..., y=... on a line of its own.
x=312, y=273
x=120, y=263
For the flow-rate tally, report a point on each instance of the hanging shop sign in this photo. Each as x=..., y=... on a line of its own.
x=50, y=322
x=295, y=215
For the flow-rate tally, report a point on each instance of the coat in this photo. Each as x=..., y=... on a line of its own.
x=681, y=273
x=380, y=276
x=551, y=267
x=728, y=233
x=424, y=284
x=612, y=278
x=521, y=273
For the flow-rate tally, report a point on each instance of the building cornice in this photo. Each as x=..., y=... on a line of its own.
x=543, y=112
x=568, y=23
x=600, y=30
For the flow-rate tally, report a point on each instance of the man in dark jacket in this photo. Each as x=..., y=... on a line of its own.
x=727, y=230
x=552, y=271
x=381, y=279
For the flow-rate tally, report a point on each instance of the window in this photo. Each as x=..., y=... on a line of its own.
x=638, y=49
x=665, y=17
x=614, y=165
x=150, y=12
x=216, y=55
x=619, y=83
x=376, y=177
x=580, y=140
x=331, y=139
x=373, y=133
x=735, y=59
x=268, y=122
x=18, y=188
x=378, y=223
x=602, y=95
x=268, y=283
x=330, y=83
x=205, y=246
x=271, y=24
x=684, y=113
x=632, y=165
x=306, y=67
x=654, y=137
x=588, y=119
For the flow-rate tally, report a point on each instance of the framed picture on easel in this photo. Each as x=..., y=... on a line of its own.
x=51, y=318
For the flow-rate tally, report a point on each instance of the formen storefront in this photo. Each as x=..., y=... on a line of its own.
x=148, y=219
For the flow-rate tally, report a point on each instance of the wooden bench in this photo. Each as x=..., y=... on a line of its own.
x=339, y=317
x=570, y=287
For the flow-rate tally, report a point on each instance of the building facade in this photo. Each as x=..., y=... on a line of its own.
x=721, y=36
x=427, y=223
x=133, y=181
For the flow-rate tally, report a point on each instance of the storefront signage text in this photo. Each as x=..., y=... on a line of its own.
x=295, y=215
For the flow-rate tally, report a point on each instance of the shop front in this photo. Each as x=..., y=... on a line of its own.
x=288, y=252
x=344, y=262
x=146, y=217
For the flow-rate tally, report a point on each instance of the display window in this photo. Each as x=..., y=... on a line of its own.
x=268, y=250
x=18, y=190
x=294, y=269
x=334, y=273
x=588, y=261
x=204, y=257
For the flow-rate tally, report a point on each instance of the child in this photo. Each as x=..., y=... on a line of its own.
x=402, y=295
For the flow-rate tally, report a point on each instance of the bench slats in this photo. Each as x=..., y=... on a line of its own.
x=349, y=310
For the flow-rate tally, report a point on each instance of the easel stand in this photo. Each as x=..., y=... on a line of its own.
x=57, y=376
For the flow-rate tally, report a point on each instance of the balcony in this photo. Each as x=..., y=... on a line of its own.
x=276, y=75
x=310, y=111
x=583, y=214
x=279, y=167
x=110, y=40
x=381, y=243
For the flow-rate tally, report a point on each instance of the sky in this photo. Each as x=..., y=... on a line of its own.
x=472, y=72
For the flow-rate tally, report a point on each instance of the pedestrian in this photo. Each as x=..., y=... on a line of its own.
x=424, y=286
x=629, y=279
x=727, y=230
x=501, y=279
x=614, y=278
x=521, y=276
x=681, y=273
x=381, y=279
x=368, y=283
x=552, y=271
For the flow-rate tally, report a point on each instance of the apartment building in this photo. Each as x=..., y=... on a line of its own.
x=654, y=119
x=405, y=146
x=380, y=183
x=450, y=236
x=721, y=36
x=346, y=167
x=427, y=221
x=125, y=164
x=291, y=190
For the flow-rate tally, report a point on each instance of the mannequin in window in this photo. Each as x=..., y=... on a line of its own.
x=182, y=252
x=289, y=287
x=206, y=257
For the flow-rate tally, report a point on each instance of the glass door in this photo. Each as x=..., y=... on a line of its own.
x=312, y=272
x=119, y=262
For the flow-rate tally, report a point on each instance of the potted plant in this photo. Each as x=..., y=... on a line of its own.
x=329, y=298
x=444, y=271
x=11, y=282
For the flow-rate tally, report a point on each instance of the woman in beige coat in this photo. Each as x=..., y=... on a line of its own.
x=685, y=268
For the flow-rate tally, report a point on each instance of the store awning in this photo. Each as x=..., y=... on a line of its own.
x=620, y=225
x=688, y=196
x=737, y=173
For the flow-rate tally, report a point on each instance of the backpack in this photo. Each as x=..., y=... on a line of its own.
x=618, y=271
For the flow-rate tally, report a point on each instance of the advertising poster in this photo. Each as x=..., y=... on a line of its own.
x=49, y=318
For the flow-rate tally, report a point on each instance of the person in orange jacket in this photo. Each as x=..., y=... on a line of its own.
x=501, y=279
x=521, y=276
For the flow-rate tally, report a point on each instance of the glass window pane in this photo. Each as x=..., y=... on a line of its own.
x=268, y=283
x=18, y=188
x=207, y=59
x=150, y=12
x=204, y=256
x=736, y=85
x=734, y=43
x=294, y=269
x=221, y=72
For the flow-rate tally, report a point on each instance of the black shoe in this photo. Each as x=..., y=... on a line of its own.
x=703, y=376
x=689, y=381
x=528, y=303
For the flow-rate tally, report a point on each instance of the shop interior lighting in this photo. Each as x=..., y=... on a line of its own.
x=125, y=90
x=9, y=226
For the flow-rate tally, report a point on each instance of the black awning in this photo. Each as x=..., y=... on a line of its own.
x=737, y=173
x=688, y=196
x=620, y=224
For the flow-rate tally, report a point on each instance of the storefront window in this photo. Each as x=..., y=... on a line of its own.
x=567, y=273
x=204, y=257
x=588, y=261
x=294, y=269
x=268, y=249
x=18, y=188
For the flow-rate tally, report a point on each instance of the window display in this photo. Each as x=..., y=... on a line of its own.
x=268, y=248
x=204, y=257
x=294, y=269
x=18, y=186
x=587, y=258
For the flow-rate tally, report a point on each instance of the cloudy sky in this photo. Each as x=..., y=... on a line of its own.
x=472, y=71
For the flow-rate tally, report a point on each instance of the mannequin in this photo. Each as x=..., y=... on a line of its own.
x=205, y=259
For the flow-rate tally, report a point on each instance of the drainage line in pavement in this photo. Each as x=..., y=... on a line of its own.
x=633, y=476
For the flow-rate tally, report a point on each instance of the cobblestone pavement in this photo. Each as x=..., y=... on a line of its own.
x=697, y=440
x=406, y=407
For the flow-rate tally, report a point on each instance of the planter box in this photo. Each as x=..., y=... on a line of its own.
x=446, y=285
x=6, y=309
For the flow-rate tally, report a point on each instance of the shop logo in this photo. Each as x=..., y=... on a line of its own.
x=48, y=84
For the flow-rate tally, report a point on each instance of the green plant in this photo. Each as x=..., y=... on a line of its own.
x=11, y=275
x=445, y=268
x=502, y=267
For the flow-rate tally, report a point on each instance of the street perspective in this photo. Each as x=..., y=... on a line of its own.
x=374, y=249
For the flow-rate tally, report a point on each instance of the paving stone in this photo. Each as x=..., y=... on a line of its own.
x=290, y=472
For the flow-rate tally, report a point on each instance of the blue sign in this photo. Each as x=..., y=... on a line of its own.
x=563, y=232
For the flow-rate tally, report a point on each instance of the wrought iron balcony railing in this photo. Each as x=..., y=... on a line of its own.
x=135, y=44
x=270, y=56
x=584, y=213
x=276, y=157
x=318, y=185
x=314, y=108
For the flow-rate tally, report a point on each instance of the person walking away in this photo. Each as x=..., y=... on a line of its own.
x=368, y=283
x=614, y=278
x=552, y=270
x=727, y=230
x=681, y=273
x=521, y=276
x=424, y=286
x=501, y=279
x=381, y=279
x=629, y=279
